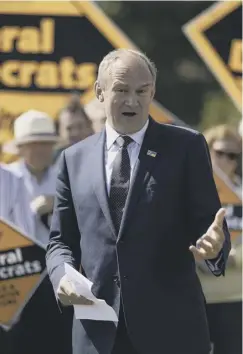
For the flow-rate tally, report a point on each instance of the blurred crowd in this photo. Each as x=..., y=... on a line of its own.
x=38, y=142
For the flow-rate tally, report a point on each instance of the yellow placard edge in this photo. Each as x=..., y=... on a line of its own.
x=214, y=14
x=22, y=233
x=194, y=31
x=54, y=8
x=228, y=183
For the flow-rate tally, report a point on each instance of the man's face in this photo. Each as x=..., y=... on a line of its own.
x=225, y=154
x=37, y=155
x=127, y=91
x=73, y=127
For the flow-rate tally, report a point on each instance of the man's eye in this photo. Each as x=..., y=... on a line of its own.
x=120, y=90
x=141, y=91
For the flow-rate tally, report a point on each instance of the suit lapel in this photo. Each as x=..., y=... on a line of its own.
x=144, y=166
x=99, y=178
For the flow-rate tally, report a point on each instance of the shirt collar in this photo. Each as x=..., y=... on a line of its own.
x=26, y=172
x=112, y=135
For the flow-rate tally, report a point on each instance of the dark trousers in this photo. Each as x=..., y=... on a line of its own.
x=225, y=324
x=123, y=343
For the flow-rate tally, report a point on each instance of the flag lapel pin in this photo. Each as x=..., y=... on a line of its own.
x=151, y=153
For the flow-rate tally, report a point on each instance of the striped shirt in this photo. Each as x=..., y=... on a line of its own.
x=14, y=201
x=47, y=186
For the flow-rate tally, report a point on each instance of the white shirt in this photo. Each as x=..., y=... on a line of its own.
x=14, y=201
x=35, y=188
x=112, y=149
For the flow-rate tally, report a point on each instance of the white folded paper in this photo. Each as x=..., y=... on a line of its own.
x=99, y=310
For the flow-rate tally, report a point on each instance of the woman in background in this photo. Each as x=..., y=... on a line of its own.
x=224, y=294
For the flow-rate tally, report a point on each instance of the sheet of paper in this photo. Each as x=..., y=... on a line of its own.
x=100, y=310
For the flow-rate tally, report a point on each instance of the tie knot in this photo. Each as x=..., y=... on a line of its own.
x=123, y=141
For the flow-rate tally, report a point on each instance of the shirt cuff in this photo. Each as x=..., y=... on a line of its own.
x=216, y=264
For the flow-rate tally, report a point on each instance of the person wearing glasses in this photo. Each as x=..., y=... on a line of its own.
x=224, y=294
x=225, y=149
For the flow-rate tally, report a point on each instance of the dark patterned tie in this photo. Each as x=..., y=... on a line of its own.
x=120, y=180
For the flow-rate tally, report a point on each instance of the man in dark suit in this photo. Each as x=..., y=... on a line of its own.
x=135, y=205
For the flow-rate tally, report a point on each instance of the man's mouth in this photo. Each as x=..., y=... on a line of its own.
x=129, y=114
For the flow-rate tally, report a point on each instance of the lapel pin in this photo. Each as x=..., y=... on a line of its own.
x=151, y=153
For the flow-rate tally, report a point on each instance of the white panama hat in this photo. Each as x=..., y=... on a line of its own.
x=32, y=126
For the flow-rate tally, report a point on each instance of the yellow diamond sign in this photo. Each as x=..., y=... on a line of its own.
x=22, y=268
x=222, y=54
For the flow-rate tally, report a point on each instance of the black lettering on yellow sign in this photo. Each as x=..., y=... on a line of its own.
x=65, y=74
x=51, y=75
x=9, y=295
x=29, y=39
x=22, y=268
x=58, y=62
x=235, y=56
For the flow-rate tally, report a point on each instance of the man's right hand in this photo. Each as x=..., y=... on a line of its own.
x=43, y=204
x=67, y=294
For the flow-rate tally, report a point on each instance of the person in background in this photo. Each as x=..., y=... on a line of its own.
x=240, y=132
x=224, y=294
x=14, y=201
x=73, y=125
x=225, y=149
x=35, y=138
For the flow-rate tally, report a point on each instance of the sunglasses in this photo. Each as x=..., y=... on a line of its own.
x=230, y=155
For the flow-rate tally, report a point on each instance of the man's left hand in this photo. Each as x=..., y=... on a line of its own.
x=210, y=244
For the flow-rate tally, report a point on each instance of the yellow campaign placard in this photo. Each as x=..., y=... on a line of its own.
x=22, y=268
x=223, y=57
x=41, y=62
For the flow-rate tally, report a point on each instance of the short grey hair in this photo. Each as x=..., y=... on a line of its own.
x=118, y=54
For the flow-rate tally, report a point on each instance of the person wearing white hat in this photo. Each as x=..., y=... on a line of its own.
x=35, y=138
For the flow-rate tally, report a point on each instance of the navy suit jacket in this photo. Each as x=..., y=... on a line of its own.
x=148, y=266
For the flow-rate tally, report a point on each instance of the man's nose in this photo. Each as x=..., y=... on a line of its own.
x=131, y=100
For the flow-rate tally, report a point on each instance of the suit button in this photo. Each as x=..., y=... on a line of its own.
x=125, y=277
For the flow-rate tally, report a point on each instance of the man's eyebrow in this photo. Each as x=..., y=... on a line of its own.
x=146, y=85
x=120, y=83
x=116, y=83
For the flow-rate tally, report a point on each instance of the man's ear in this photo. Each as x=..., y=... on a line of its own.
x=153, y=93
x=98, y=92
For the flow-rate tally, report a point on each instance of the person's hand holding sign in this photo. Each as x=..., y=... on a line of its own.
x=210, y=244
